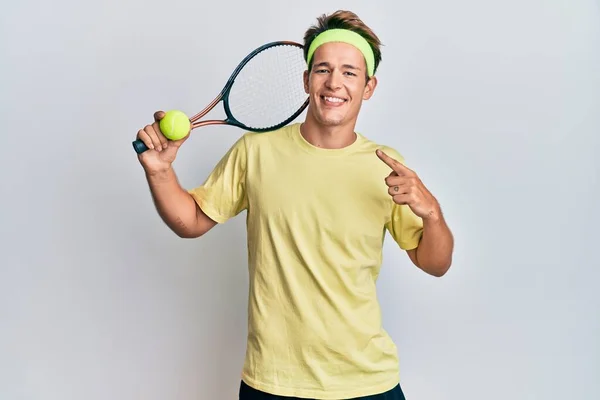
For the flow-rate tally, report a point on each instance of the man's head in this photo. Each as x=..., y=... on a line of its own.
x=342, y=55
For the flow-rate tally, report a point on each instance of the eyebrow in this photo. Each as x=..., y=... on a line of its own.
x=346, y=66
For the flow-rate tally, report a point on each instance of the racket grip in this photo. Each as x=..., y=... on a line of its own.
x=139, y=146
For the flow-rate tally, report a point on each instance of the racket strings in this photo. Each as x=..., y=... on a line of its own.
x=269, y=89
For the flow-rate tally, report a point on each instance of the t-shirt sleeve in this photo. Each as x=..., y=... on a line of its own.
x=404, y=225
x=223, y=194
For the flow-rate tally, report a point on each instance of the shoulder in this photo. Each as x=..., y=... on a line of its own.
x=275, y=134
x=262, y=141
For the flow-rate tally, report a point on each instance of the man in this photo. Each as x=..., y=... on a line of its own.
x=319, y=199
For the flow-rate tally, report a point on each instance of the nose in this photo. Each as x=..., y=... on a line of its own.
x=334, y=81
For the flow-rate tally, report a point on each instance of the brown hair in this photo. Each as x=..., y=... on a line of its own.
x=343, y=19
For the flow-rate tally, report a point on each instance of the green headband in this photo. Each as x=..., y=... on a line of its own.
x=345, y=36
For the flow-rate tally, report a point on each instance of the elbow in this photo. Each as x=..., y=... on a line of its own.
x=438, y=270
x=193, y=233
x=188, y=230
x=188, y=234
x=436, y=265
x=184, y=235
x=184, y=232
x=438, y=273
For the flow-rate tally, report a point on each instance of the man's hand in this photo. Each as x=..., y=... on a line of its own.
x=405, y=187
x=161, y=152
x=434, y=252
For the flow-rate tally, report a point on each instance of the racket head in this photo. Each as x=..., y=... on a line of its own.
x=266, y=90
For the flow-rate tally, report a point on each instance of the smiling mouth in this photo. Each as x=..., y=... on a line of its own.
x=333, y=100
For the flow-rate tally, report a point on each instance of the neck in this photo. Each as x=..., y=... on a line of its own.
x=328, y=137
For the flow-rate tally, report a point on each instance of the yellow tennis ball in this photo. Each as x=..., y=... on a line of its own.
x=175, y=125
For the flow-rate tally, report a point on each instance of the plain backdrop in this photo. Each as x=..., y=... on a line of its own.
x=495, y=104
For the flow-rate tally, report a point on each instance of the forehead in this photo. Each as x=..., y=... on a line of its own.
x=338, y=52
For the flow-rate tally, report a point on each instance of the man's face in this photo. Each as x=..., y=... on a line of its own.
x=337, y=84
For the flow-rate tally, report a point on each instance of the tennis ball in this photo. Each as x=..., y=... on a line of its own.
x=175, y=125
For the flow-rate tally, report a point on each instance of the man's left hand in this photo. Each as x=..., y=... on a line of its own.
x=405, y=187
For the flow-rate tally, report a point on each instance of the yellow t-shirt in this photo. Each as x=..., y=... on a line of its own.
x=316, y=221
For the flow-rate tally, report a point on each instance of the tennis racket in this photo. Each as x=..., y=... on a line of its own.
x=265, y=91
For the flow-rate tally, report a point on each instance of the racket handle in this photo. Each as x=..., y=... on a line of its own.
x=139, y=146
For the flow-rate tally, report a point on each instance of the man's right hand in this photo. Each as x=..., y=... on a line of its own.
x=161, y=152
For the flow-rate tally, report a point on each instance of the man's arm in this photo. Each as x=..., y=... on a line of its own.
x=434, y=253
x=177, y=207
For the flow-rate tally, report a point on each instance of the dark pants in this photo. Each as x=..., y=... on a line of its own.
x=248, y=393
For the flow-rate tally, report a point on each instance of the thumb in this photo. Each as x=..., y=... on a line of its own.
x=159, y=115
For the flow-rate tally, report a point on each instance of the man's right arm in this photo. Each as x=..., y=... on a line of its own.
x=177, y=207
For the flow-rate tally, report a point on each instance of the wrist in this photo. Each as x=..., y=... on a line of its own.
x=160, y=173
x=434, y=216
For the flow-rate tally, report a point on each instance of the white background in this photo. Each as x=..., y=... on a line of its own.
x=495, y=104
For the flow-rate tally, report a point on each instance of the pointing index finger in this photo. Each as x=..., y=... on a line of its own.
x=392, y=163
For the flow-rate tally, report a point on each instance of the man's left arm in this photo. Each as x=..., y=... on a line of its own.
x=434, y=252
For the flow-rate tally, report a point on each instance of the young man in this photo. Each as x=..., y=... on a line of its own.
x=319, y=199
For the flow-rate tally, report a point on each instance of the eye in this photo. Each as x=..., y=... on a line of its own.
x=350, y=73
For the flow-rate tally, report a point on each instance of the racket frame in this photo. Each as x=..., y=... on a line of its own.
x=223, y=96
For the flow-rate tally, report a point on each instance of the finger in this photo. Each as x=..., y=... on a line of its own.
x=149, y=129
x=159, y=115
x=394, y=164
x=385, y=158
x=399, y=190
x=402, y=199
x=396, y=180
x=144, y=137
x=163, y=140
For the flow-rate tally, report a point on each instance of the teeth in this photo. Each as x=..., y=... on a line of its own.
x=334, y=99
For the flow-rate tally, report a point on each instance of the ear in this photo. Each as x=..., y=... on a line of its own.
x=306, y=81
x=370, y=88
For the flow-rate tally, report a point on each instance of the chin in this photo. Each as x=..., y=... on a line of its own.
x=329, y=119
